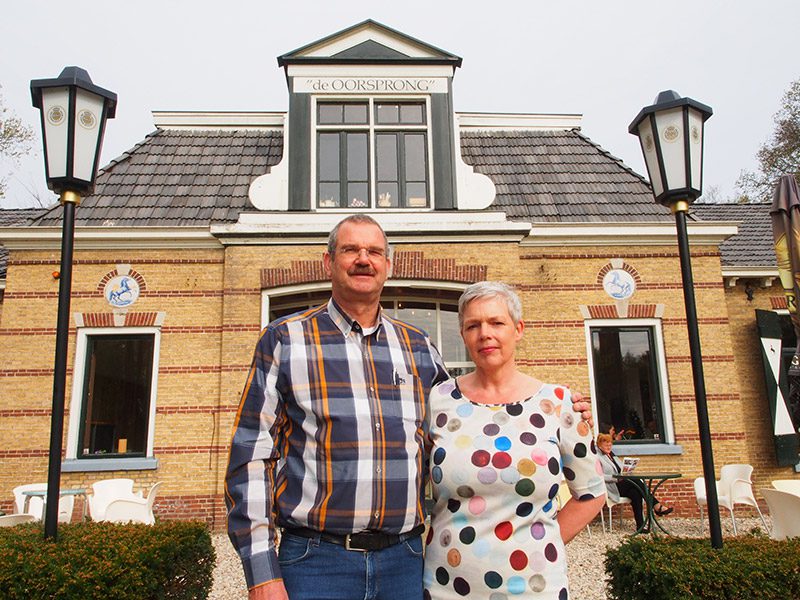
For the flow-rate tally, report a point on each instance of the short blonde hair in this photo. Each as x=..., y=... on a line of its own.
x=602, y=438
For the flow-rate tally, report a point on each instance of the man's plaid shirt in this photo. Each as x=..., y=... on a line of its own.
x=329, y=432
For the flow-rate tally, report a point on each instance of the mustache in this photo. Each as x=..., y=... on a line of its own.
x=362, y=270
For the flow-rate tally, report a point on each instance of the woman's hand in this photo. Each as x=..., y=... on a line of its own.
x=580, y=405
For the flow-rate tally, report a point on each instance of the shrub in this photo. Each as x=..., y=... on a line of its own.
x=678, y=568
x=169, y=560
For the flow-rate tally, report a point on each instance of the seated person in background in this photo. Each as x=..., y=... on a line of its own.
x=615, y=489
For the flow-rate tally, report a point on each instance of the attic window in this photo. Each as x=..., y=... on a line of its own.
x=372, y=154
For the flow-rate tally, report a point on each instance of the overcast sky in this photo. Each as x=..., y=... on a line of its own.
x=602, y=59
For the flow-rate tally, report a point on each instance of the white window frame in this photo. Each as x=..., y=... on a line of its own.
x=73, y=463
x=661, y=367
x=371, y=128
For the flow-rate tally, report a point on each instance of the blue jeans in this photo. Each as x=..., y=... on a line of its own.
x=314, y=569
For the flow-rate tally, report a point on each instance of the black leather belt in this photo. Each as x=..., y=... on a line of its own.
x=362, y=541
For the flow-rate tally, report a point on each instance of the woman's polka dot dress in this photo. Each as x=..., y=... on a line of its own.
x=495, y=471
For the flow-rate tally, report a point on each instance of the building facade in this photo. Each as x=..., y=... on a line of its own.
x=216, y=223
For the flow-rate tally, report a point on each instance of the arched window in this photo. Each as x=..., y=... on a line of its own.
x=433, y=310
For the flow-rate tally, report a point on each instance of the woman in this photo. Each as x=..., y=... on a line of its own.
x=500, y=438
x=616, y=488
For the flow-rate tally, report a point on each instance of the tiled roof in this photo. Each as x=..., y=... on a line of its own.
x=182, y=178
x=559, y=176
x=179, y=178
x=752, y=246
x=13, y=216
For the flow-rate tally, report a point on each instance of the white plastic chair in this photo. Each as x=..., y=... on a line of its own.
x=106, y=491
x=736, y=481
x=787, y=485
x=610, y=504
x=36, y=503
x=564, y=496
x=136, y=510
x=784, y=507
x=16, y=519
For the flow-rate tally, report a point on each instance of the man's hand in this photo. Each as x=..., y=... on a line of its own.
x=583, y=407
x=273, y=590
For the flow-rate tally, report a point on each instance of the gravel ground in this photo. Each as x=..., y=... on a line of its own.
x=585, y=557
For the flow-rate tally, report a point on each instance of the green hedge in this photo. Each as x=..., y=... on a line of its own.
x=747, y=567
x=169, y=560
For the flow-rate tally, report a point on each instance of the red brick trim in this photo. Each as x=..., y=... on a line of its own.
x=694, y=437
x=625, y=267
x=189, y=410
x=93, y=294
x=541, y=362
x=114, y=272
x=632, y=255
x=13, y=413
x=217, y=449
x=710, y=397
x=122, y=261
x=706, y=359
x=406, y=265
x=592, y=287
x=132, y=319
x=414, y=265
x=300, y=271
x=609, y=311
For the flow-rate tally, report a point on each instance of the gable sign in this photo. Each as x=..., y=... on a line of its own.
x=370, y=85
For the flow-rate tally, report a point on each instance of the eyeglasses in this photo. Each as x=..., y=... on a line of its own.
x=373, y=252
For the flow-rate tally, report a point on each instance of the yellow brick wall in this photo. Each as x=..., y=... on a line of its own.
x=212, y=305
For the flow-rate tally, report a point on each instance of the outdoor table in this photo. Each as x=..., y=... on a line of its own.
x=62, y=492
x=648, y=484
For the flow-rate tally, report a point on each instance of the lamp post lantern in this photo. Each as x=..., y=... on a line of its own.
x=73, y=114
x=671, y=135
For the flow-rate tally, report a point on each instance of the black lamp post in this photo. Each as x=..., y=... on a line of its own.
x=671, y=134
x=74, y=113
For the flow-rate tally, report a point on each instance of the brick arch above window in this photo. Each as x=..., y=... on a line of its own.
x=120, y=319
x=406, y=265
x=121, y=270
x=617, y=263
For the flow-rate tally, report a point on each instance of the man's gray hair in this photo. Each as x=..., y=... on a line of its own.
x=490, y=289
x=358, y=219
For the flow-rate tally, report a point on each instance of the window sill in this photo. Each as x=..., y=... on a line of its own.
x=74, y=465
x=646, y=449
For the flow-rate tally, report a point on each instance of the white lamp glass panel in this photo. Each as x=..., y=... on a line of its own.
x=696, y=148
x=55, y=113
x=88, y=115
x=669, y=124
x=650, y=156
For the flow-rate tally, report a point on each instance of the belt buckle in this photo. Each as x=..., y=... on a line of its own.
x=348, y=547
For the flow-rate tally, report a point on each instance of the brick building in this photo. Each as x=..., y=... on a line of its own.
x=216, y=223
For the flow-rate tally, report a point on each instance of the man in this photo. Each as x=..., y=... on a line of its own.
x=328, y=440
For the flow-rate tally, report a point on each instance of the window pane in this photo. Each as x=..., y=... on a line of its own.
x=329, y=195
x=355, y=114
x=387, y=114
x=412, y=114
x=626, y=382
x=416, y=195
x=329, y=157
x=329, y=114
x=387, y=156
x=357, y=195
x=357, y=160
x=452, y=349
x=415, y=156
x=116, y=399
x=419, y=314
x=387, y=195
